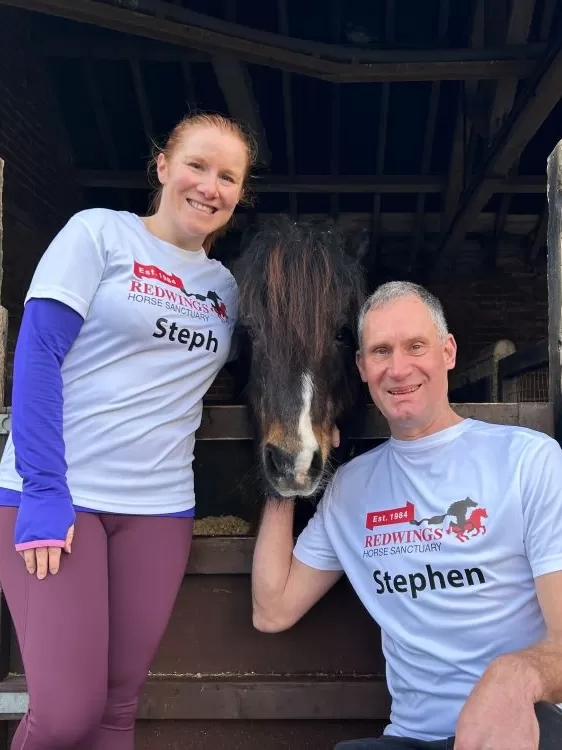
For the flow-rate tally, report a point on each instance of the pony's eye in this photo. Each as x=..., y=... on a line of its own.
x=341, y=334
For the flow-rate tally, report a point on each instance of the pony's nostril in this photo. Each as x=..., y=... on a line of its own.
x=277, y=461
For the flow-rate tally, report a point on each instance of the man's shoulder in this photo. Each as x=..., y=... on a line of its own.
x=505, y=435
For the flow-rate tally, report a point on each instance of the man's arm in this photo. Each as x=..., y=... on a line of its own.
x=514, y=682
x=283, y=588
x=540, y=666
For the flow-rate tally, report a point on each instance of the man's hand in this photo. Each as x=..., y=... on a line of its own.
x=43, y=560
x=500, y=712
x=335, y=437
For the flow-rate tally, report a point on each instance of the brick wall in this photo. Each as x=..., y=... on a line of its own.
x=510, y=304
x=39, y=192
x=39, y=188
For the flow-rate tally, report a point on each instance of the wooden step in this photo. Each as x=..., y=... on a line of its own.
x=192, y=698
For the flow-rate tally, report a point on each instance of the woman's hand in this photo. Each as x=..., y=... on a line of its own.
x=42, y=560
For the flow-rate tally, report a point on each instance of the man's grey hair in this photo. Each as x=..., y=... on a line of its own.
x=393, y=290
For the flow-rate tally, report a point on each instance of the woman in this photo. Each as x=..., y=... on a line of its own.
x=126, y=324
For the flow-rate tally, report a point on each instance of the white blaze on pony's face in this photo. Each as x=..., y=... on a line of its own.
x=309, y=444
x=294, y=458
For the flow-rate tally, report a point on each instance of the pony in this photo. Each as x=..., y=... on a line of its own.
x=301, y=287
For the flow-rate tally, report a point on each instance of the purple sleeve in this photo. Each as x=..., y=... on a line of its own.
x=47, y=333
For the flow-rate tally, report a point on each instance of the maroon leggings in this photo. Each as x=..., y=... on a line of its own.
x=89, y=634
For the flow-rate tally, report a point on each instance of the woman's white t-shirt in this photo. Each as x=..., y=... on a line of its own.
x=158, y=324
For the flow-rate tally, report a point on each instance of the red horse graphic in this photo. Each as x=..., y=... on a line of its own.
x=473, y=525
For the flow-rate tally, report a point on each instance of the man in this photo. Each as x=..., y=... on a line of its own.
x=470, y=605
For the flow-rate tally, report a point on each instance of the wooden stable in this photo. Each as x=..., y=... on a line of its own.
x=217, y=683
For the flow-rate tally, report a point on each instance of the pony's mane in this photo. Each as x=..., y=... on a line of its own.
x=296, y=284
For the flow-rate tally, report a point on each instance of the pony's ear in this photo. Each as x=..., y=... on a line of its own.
x=248, y=235
x=357, y=242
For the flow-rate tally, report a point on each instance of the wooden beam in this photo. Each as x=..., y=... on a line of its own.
x=210, y=25
x=535, y=104
x=283, y=22
x=375, y=228
x=489, y=29
x=1, y=223
x=430, y=123
x=327, y=62
x=190, y=93
x=236, y=86
x=538, y=236
x=465, y=123
x=75, y=48
x=517, y=31
x=336, y=111
x=518, y=27
x=325, y=183
x=554, y=263
x=3, y=352
x=457, y=164
x=256, y=697
x=234, y=422
x=285, y=183
x=501, y=217
x=548, y=11
x=103, y=124
x=142, y=99
x=399, y=224
x=101, y=117
x=381, y=149
x=230, y=10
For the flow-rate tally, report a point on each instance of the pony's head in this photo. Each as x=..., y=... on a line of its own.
x=300, y=292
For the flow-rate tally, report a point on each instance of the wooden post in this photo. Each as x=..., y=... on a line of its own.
x=554, y=266
x=5, y=624
x=3, y=311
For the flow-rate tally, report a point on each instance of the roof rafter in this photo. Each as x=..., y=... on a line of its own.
x=375, y=229
x=283, y=23
x=336, y=113
x=418, y=233
x=517, y=28
x=142, y=99
x=540, y=96
x=236, y=86
x=325, y=183
x=73, y=48
x=466, y=122
x=327, y=62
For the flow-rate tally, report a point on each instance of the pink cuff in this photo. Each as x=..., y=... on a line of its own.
x=34, y=545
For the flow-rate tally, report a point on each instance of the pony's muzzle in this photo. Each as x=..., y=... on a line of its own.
x=287, y=474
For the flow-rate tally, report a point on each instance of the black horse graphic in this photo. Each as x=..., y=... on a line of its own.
x=216, y=302
x=457, y=510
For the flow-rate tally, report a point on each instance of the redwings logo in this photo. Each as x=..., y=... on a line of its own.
x=154, y=273
x=463, y=519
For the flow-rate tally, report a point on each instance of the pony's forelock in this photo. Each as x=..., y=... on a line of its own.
x=311, y=285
